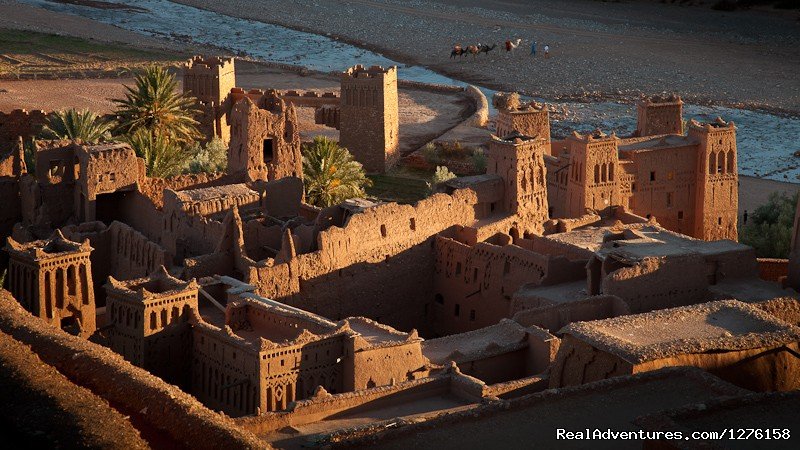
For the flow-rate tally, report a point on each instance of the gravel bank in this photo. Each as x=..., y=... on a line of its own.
x=599, y=50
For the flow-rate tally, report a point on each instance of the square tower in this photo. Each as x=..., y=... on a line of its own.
x=659, y=115
x=532, y=119
x=52, y=279
x=369, y=122
x=519, y=160
x=717, y=193
x=210, y=80
x=149, y=319
x=594, y=173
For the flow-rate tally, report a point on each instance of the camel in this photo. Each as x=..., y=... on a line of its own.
x=457, y=51
x=511, y=45
x=487, y=48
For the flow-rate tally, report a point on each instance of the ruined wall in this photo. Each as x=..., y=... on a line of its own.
x=578, y=363
x=19, y=123
x=473, y=286
x=355, y=271
x=773, y=269
x=658, y=283
x=555, y=317
x=265, y=138
x=210, y=80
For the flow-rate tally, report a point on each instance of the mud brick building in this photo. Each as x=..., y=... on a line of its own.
x=53, y=280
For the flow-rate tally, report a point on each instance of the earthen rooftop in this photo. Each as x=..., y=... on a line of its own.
x=500, y=338
x=651, y=241
x=722, y=325
x=215, y=192
x=532, y=420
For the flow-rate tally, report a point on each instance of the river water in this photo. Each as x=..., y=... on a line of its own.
x=766, y=142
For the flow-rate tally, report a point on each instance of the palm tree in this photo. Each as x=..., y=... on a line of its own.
x=153, y=104
x=76, y=124
x=331, y=174
x=162, y=157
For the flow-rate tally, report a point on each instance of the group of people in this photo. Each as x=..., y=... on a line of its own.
x=510, y=45
x=546, y=50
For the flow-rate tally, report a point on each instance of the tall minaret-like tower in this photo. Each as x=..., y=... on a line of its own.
x=369, y=124
x=519, y=160
x=717, y=193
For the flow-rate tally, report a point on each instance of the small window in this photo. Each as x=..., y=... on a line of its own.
x=282, y=362
x=652, y=176
x=267, y=151
x=383, y=230
x=412, y=224
x=669, y=199
x=439, y=299
x=112, y=177
x=680, y=215
x=633, y=187
x=458, y=268
x=472, y=315
x=719, y=220
x=457, y=310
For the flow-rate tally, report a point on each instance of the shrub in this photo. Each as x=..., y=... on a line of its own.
x=769, y=227
x=441, y=175
x=213, y=157
x=479, y=159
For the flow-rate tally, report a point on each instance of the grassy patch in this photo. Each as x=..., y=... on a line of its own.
x=25, y=54
x=401, y=186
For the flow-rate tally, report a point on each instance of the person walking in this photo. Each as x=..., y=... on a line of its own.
x=533, y=49
x=546, y=51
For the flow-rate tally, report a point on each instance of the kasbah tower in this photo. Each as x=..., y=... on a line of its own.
x=369, y=118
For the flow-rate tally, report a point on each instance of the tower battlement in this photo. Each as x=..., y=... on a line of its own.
x=659, y=115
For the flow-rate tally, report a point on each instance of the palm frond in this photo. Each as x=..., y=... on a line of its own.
x=76, y=124
x=331, y=174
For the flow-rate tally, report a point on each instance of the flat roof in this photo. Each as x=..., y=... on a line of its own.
x=750, y=290
x=556, y=293
x=655, y=143
x=214, y=192
x=532, y=421
x=502, y=337
x=374, y=332
x=722, y=325
x=650, y=240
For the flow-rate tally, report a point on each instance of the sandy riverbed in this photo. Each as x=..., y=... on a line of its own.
x=748, y=58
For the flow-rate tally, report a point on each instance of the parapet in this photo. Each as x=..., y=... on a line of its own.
x=515, y=138
x=56, y=246
x=717, y=124
x=659, y=100
x=596, y=135
x=160, y=284
x=201, y=63
x=358, y=71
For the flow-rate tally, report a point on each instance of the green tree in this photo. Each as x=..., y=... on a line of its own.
x=162, y=156
x=76, y=124
x=769, y=227
x=153, y=104
x=331, y=174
